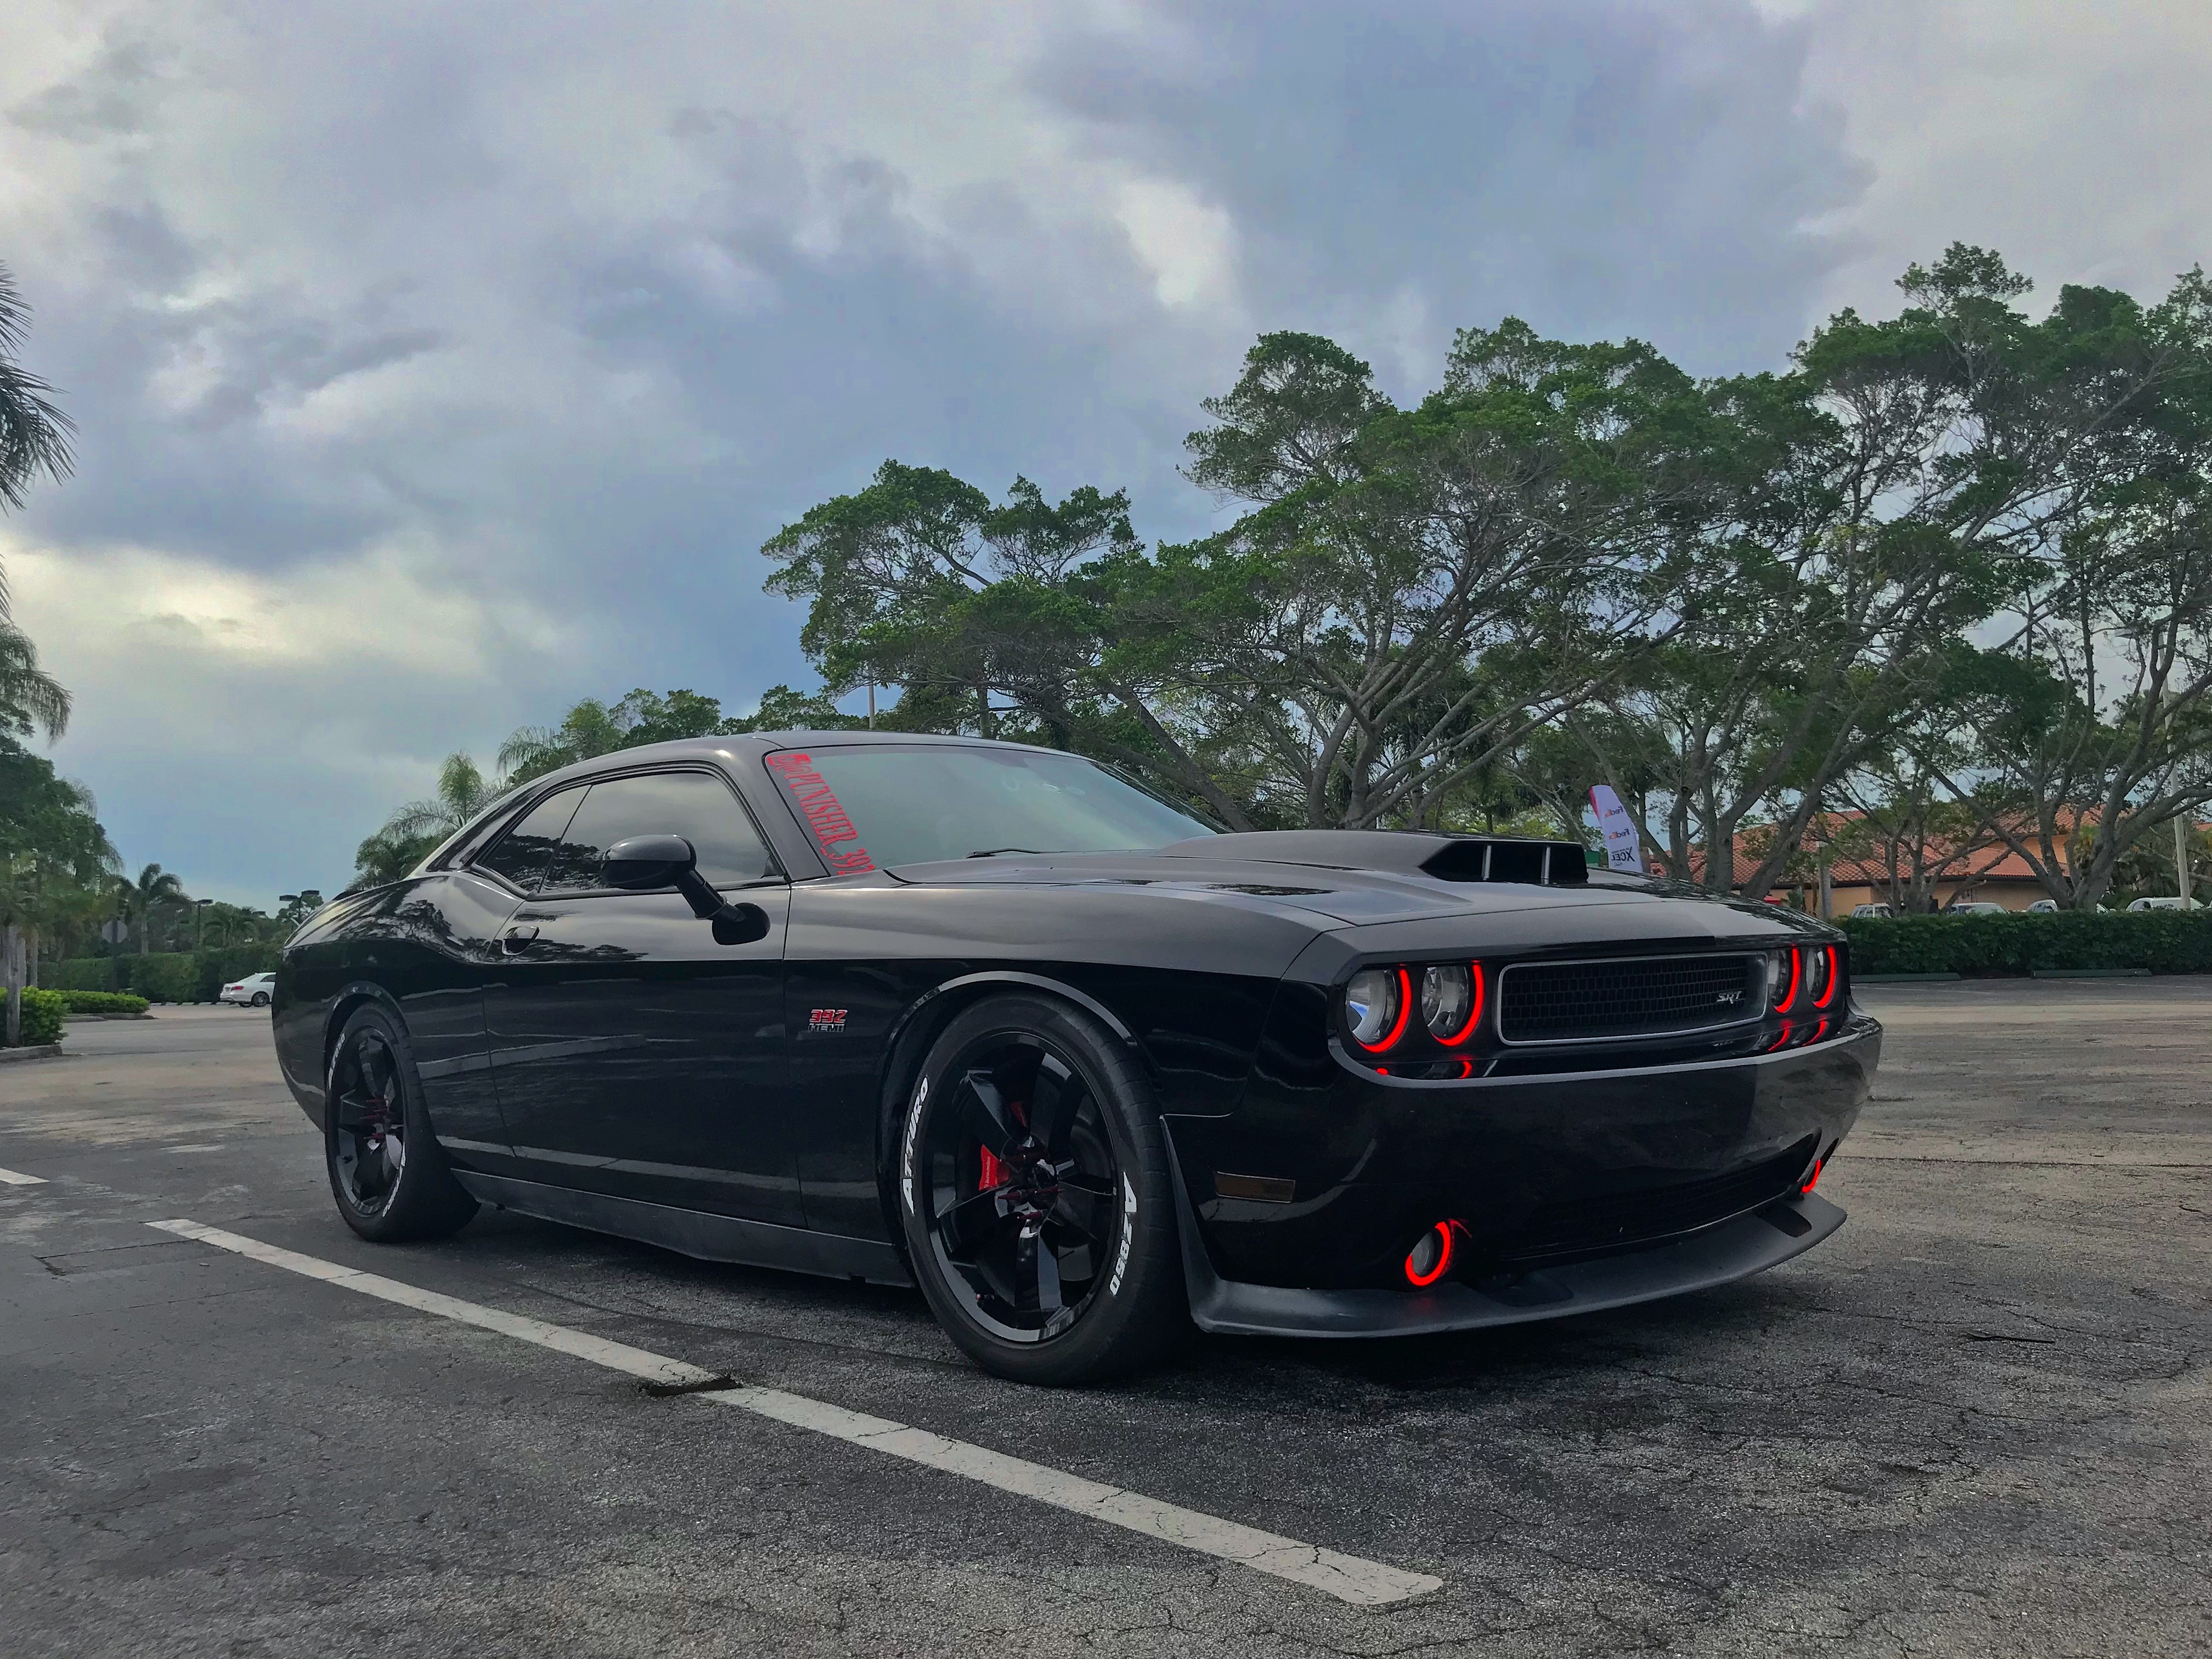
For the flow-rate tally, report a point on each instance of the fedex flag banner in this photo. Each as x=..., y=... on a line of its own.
x=1618, y=828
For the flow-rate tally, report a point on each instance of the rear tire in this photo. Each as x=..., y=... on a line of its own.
x=387, y=1172
x=1051, y=1256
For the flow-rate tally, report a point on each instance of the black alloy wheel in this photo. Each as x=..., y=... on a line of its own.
x=1034, y=1192
x=388, y=1174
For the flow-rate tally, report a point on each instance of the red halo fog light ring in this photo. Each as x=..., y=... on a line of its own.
x=1442, y=1233
x=1405, y=1013
x=1835, y=972
x=1474, y=1012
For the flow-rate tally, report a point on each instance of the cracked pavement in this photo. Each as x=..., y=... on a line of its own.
x=1977, y=1421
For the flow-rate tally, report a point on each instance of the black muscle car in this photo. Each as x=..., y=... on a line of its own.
x=996, y=1021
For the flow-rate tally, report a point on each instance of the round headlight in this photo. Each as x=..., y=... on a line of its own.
x=1449, y=1006
x=1375, y=1006
x=1781, y=979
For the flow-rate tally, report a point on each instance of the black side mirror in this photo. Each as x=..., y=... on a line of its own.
x=644, y=864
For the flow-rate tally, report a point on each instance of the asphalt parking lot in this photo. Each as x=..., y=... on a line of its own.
x=1977, y=1421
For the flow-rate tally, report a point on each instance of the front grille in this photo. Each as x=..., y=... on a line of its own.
x=1627, y=997
x=1584, y=1226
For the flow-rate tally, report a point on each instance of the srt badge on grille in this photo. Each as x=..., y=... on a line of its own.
x=1729, y=999
x=825, y=1019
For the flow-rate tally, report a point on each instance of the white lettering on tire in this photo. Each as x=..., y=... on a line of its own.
x=906, y=1152
x=1128, y=1236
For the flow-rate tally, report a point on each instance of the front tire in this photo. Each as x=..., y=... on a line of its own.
x=1035, y=1196
x=387, y=1171
x=261, y=998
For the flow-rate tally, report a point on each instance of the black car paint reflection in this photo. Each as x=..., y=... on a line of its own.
x=598, y=1058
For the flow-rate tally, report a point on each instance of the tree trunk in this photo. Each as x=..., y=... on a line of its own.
x=11, y=962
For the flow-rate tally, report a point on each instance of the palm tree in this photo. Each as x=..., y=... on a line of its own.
x=33, y=431
x=462, y=794
x=29, y=696
x=155, y=886
x=410, y=833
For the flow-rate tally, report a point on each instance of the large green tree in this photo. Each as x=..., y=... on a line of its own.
x=1408, y=593
x=55, y=862
x=1905, y=481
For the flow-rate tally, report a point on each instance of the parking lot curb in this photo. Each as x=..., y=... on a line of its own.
x=37, y=1051
x=1896, y=979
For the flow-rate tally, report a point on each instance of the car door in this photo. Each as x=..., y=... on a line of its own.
x=635, y=1056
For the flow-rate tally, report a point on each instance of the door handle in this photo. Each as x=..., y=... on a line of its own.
x=513, y=940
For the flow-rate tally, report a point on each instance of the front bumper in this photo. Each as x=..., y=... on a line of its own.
x=1544, y=1172
x=1719, y=1255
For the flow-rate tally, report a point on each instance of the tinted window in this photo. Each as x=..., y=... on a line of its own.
x=879, y=806
x=521, y=854
x=693, y=805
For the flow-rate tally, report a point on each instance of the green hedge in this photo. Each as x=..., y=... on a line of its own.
x=2163, y=941
x=165, y=976
x=42, y=1018
x=102, y=1002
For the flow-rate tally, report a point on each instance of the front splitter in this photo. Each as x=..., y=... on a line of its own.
x=1720, y=1254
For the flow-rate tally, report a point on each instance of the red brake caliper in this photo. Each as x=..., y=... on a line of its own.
x=993, y=1172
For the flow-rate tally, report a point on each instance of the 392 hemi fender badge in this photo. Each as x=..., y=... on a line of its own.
x=826, y=1020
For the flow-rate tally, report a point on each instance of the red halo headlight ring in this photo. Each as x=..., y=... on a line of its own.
x=1473, y=1007
x=1405, y=1013
x=1789, y=1000
x=1834, y=976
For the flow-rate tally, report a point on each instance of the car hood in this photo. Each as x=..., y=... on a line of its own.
x=1327, y=894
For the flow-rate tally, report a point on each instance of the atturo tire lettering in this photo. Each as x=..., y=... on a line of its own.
x=906, y=1152
x=1128, y=1236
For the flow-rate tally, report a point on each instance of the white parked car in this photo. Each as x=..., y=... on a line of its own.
x=252, y=992
x=2166, y=903
x=1974, y=907
x=1872, y=910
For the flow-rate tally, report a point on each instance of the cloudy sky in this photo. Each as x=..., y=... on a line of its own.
x=438, y=365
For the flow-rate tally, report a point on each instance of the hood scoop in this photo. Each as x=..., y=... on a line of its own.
x=1402, y=852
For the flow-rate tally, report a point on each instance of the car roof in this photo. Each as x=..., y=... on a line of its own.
x=754, y=744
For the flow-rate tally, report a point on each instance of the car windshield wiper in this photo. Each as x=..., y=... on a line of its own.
x=993, y=851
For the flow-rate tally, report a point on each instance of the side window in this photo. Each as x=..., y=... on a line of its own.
x=693, y=805
x=520, y=856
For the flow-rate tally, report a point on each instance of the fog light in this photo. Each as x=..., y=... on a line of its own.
x=1430, y=1258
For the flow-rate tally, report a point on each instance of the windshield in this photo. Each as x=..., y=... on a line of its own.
x=874, y=807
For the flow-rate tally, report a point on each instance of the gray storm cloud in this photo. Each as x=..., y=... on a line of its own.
x=542, y=323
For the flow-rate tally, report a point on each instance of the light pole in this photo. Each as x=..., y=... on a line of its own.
x=199, y=922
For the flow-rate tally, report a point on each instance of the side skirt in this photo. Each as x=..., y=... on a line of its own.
x=694, y=1232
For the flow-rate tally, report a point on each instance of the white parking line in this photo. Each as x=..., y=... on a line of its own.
x=1346, y=1578
x=9, y=1178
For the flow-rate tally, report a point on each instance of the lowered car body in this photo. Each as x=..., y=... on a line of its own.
x=1352, y=1083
